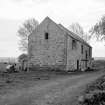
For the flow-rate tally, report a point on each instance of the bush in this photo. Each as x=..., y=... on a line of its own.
x=95, y=93
x=94, y=98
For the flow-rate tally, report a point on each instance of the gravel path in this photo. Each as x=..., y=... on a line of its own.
x=60, y=91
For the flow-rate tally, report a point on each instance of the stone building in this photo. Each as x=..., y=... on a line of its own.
x=53, y=46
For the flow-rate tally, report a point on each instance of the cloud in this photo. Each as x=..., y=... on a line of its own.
x=99, y=1
x=17, y=0
x=31, y=1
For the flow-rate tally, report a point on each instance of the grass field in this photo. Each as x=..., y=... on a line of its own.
x=3, y=66
x=98, y=64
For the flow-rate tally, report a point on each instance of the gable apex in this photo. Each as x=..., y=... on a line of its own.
x=47, y=19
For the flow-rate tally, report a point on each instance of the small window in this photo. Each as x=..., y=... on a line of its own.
x=46, y=35
x=86, y=55
x=74, y=44
x=89, y=51
x=81, y=49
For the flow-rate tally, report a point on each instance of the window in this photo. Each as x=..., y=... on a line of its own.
x=89, y=51
x=81, y=49
x=74, y=44
x=46, y=35
x=86, y=54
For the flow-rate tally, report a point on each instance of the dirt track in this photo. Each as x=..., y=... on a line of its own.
x=60, y=91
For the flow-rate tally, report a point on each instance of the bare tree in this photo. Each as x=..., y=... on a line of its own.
x=24, y=31
x=77, y=29
x=98, y=30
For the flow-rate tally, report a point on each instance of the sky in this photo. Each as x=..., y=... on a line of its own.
x=14, y=12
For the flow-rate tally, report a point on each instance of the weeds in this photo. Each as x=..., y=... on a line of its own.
x=94, y=93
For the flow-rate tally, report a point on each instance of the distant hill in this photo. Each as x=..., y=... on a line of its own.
x=8, y=59
x=99, y=58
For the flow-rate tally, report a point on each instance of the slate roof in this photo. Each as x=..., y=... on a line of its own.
x=73, y=35
x=70, y=33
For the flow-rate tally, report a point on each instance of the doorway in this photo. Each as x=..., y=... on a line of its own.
x=86, y=59
x=77, y=64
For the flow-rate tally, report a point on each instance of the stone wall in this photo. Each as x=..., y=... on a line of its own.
x=75, y=54
x=49, y=52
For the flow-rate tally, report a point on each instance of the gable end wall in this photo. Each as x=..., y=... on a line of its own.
x=49, y=53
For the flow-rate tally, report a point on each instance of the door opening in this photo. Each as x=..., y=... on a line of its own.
x=86, y=59
x=77, y=64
